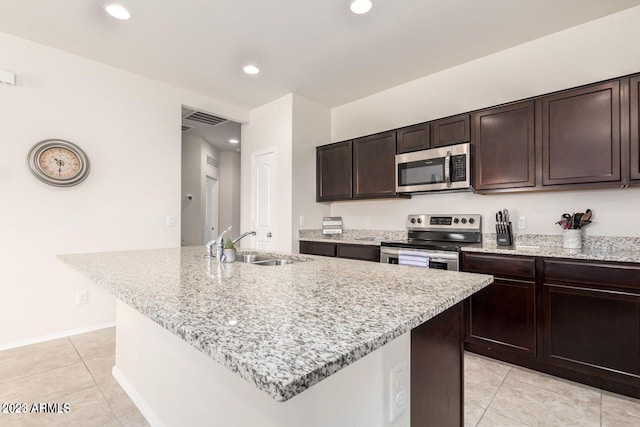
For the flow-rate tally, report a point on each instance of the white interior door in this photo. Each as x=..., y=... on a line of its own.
x=263, y=192
x=212, y=198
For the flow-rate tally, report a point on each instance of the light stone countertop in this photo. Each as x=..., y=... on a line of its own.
x=282, y=328
x=586, y=253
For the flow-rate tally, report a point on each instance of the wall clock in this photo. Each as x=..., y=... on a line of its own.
x=57, y=162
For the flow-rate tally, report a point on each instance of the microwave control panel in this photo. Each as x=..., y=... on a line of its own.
x=459, y=168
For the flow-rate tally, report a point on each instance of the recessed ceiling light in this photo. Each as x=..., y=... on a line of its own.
x=117, y=11
x=233, y=141
x=360, y=7
x=250, y=69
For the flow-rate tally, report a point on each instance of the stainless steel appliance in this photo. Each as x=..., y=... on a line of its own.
x=434, y=241
x=437, y=169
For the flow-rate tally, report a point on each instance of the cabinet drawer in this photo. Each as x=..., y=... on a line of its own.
x=318, y=248
x=592, y=273
x=500, y=265
x=361, y=252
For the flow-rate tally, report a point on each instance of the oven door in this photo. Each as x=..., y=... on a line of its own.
x=441, y=260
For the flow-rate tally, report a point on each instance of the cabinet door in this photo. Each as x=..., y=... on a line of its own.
x=413, y=138
x=318, y=248
x=505, y=147
x=581, y=135
x=634, y=169
x=449, y=131
x=361, y=252
x=592, y=319
x=374, y=166
x=501, y=318
x=333, y=171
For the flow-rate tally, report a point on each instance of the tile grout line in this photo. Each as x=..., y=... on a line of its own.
x=95, y=382
x=494, y=395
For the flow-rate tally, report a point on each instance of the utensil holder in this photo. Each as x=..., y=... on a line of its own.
x=504, y=234
x=572, y=239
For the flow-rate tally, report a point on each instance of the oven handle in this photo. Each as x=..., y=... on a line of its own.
x=447, y=168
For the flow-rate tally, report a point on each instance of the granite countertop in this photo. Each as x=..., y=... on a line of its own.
x=282, y=328
x=353, y=237
x=599, y=248
x=594, y=254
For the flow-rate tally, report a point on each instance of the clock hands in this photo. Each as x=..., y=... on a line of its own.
x=60, y=164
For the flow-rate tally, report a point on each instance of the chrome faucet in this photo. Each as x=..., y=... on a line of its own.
x=237, y=239
x=218, y=243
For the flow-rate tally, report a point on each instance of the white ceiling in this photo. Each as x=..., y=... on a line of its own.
x=317, y=49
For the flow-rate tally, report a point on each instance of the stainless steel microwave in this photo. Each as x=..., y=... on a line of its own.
x=437, y=169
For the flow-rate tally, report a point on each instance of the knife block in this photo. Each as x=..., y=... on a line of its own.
x=504, y=234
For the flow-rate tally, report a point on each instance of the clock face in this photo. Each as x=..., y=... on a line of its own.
x=57, y=162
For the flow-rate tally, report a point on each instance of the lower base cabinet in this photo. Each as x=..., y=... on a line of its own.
x=341, y=250
x=574, y=319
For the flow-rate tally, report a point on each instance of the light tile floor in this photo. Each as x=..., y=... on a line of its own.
x=77, y=370
x=74, y=370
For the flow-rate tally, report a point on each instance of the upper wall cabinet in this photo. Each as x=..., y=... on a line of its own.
x=505, y=146
x=581, y=135
x=413, y=138
x=634, y=96
x=449, y=131
x=374, y=166
x=333, y=172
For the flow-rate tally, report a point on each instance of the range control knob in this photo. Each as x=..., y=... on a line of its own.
x=464, y=220
x=471, y=220
x=419, y=220
x=456, y=220
x=413, y=220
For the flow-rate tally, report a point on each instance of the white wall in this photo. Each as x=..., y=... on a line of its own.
x=230, y=191
x=587, y=53
x=129, y=127
x=311, y=127
x=270, y=127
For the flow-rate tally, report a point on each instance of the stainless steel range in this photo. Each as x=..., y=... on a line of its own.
x=434, y=241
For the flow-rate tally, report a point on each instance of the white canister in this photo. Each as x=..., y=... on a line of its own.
x=572, y=239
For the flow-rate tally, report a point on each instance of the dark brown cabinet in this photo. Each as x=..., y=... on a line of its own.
x=341, y=250
x=581, y=135
x=318, y=248
x=413, y=138
x=333, y=171
x=592, y=318
x=575, y=319
x=505, y=146
x=501, y=318
x=374, y=166
x=450, y=130
x=634, y=119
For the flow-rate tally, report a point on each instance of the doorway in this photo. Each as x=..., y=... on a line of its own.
x=212, y=204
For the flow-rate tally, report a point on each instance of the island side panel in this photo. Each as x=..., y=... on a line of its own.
x=437, y=371
x=173, y=384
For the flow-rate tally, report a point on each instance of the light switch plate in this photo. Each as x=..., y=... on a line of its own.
x=522, y=222
x=7, y=78
x=171, y=221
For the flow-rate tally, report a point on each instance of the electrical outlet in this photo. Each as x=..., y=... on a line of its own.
x=522, y=222
x=398, y=390
x=82, y=297
x=302, y=219
x=366, y=220
x=171, y=221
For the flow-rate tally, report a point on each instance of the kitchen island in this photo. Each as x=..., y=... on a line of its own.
x=188, y=327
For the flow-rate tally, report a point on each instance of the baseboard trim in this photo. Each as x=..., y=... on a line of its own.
x=142, y=405
x=63, y=334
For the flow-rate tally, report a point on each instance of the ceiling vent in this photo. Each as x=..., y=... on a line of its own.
x=212, y=161
x=185, y=128
x=205, y=118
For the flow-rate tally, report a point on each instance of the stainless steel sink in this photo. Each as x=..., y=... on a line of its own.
x=263, y=260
